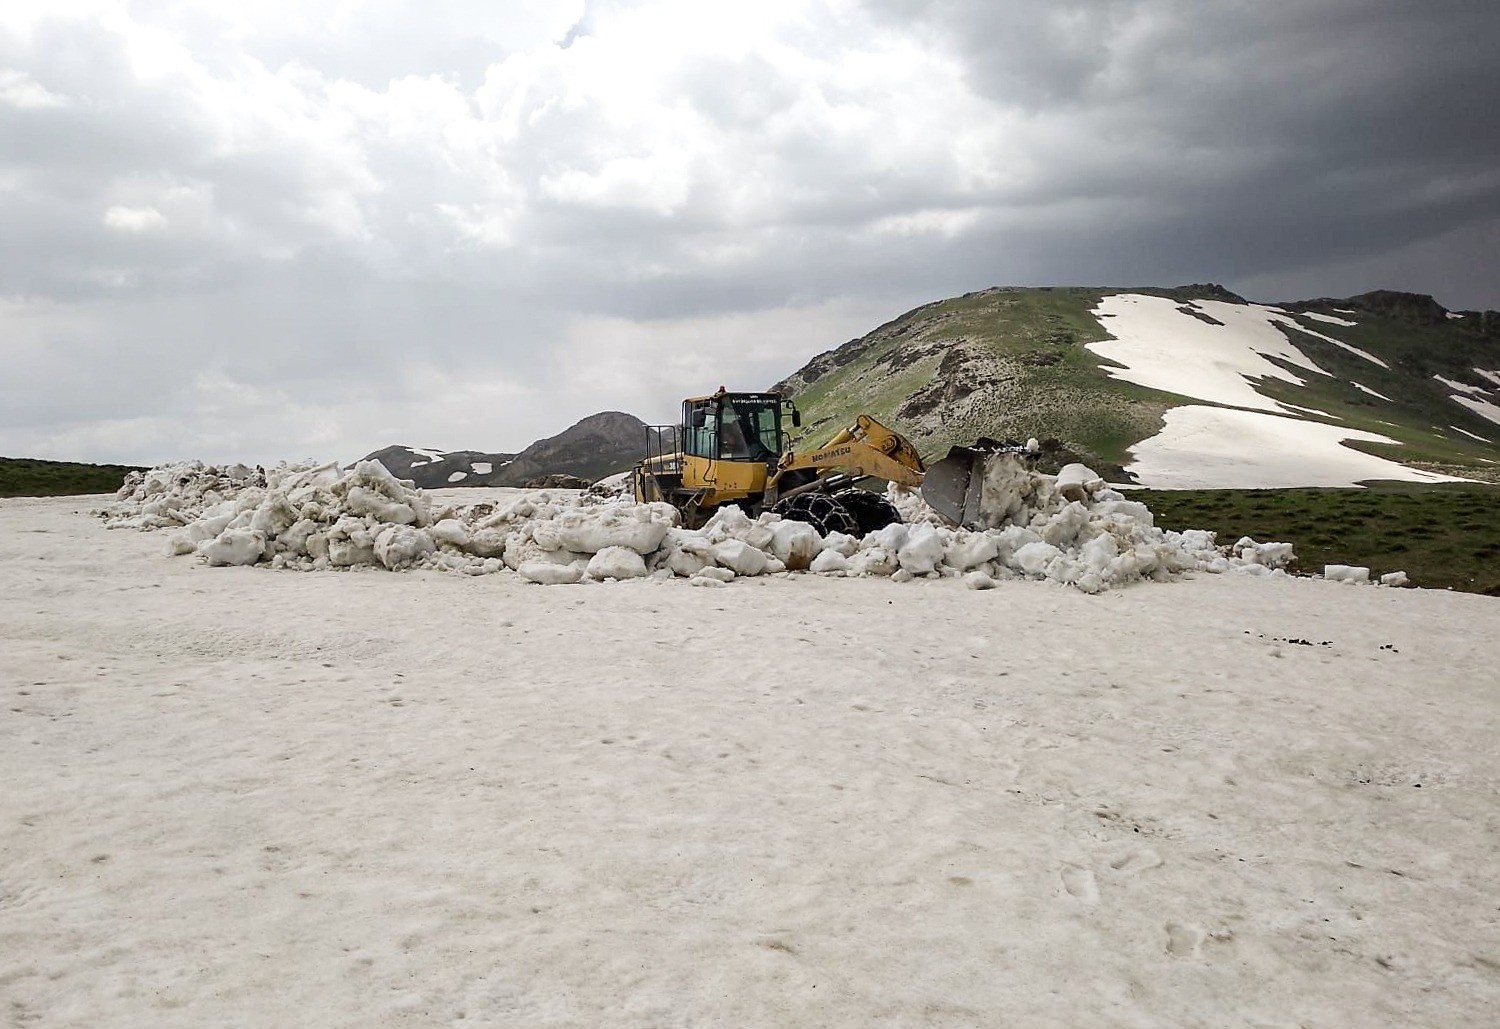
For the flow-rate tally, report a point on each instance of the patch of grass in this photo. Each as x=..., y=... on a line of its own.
x=1443, y=537
x=27, y=477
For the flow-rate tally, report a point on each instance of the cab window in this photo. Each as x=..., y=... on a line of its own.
x=700, y=420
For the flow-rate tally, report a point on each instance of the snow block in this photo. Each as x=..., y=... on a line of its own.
x=1077, y=482
x=549, y=574
x=740, y=557
x=829, y=561
x=1352, y=574
x=969, y=550
x=1035, y=558
x=362, y=501
x=795, y=544
x=486, y=543
x=401, y=546
x=591, y=530
x=1271, y=555
x=841, y=542
x=234, y=547
x=450, y=531
x=922, y=552
x=874, y=561
x=616, y=563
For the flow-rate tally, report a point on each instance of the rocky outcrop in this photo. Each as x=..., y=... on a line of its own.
x=1417, y=308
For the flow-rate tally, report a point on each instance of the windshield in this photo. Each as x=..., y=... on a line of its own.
x=751, y=428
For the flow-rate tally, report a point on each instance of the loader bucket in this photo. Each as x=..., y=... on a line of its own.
x=954, y=486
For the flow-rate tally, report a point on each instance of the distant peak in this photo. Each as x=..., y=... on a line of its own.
x=1212, y=291
x=1412, y=307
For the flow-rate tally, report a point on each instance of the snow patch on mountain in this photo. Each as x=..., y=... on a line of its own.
x=1330, y=319
x=1483, y=408
x=1478, y=399
x=1214, y=358
x=1211, y=350
x=1216, y=448
x=1471, y=435
x=1461, y=387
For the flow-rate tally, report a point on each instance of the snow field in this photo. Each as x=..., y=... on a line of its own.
x=1219, y=448
x=236, y=798
x=1165, y=348
x=1070, y=529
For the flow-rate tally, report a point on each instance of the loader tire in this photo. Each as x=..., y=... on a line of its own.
x=819, y=510
x=871, y=511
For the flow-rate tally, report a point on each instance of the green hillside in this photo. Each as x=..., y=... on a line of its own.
x=1010, y=362
x=26, y=477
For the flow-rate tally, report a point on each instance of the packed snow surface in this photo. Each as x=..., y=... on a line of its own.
x=1215, y=448
x=1070, y=529
x=240, y=798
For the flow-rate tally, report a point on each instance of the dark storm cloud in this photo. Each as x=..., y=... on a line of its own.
x=1261, y=136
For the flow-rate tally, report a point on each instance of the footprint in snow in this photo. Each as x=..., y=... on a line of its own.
x=1135, y=860
x=1184, y=941
x=1079, y=882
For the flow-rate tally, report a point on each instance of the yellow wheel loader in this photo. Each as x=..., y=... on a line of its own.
x=732, y=448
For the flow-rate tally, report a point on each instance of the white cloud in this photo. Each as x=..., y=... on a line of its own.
x=134, y=219
x=21, y=91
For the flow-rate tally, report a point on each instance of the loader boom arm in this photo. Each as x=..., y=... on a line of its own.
x=865, y=448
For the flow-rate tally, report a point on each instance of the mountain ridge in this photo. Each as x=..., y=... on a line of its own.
x=593, y=447
x=1014, y=362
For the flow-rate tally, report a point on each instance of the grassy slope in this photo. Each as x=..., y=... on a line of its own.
x=1043, y=382
x=1442, y=537
x=25, y=477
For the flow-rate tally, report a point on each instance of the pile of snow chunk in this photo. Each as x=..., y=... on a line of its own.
x=1070, y=529
x=301, y=516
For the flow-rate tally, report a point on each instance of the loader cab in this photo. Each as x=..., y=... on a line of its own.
x=743, y=427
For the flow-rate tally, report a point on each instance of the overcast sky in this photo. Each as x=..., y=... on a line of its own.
x=287, y=230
